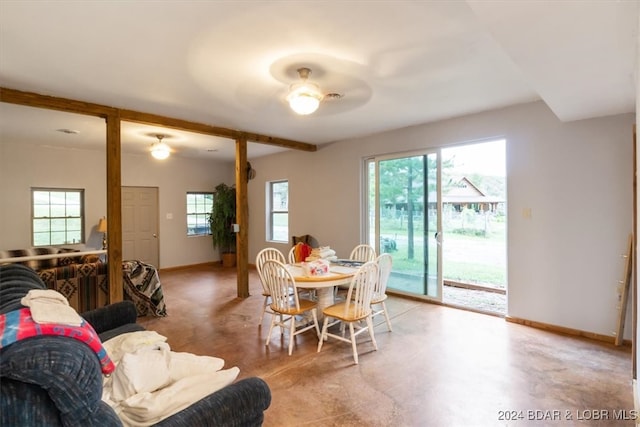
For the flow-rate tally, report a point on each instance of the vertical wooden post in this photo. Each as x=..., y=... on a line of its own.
x=242, y=216
x=114, y=211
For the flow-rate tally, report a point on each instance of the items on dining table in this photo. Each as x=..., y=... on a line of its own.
x=348, y=263
x=301, y=251
x=318, y=267
x=323, y=252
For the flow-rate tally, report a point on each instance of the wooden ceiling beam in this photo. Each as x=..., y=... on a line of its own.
x=31, y=99
x=168, y=122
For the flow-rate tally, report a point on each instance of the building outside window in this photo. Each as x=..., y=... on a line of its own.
x=57, y=216
x=198, y=211
x=278, y=211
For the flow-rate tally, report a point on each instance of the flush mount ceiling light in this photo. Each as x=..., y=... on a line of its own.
x=304, y=97
x=160, y=150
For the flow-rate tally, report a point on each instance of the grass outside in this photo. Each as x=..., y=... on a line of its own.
x=469, y=255
x=474, y=248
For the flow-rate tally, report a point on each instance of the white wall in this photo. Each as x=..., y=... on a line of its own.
x=563, y=263
x=23, y=167
x=175, y=177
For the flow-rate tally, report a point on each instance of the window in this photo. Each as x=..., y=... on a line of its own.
x=57, y=216
x=198, y=211
x=278, y=209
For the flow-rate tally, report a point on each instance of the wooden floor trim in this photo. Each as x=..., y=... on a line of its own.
x=565, y=331
x=186, y=267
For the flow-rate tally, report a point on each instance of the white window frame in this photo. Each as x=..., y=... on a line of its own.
x=199, y=215
x=54, y=219
x=273, y=210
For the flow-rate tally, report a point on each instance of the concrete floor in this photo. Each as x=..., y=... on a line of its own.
x=439, y=367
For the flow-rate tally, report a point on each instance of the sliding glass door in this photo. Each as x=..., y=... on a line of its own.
x=403, y=208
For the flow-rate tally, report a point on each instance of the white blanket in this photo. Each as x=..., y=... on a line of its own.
x=151, y=382
x=49, y=306
x=323, y=252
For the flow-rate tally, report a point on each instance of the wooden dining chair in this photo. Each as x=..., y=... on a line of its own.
x=385, y=262
x=263, y=256
x=364, y=253
x=306, y=293
x=285, y=304
x=355, y=307
x=292, y=255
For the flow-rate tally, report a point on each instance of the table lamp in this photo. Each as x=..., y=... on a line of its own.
x=102, y=228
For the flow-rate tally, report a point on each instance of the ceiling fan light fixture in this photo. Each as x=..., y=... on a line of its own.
x=304, y=97
x=160, y=150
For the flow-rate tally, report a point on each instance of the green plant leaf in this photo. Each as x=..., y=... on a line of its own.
x=222, y=218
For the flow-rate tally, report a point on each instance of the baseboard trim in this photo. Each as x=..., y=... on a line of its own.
x=203, y=264
x=565, y=331
x=185, y=267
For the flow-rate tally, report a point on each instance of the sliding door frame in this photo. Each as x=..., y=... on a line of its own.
x=373, y=236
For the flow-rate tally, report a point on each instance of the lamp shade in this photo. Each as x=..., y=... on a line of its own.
x=304, y=98
x=102, y=225
x=160, y=150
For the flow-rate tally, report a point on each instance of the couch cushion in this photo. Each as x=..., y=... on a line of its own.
x=87, y=259
x=39, y=264
x=68, y=260
x=15, y=282
x=68, y=369
x=14, y=253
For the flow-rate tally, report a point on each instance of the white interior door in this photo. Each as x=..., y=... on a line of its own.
x=140, y=225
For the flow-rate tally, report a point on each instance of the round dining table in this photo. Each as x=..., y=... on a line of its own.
x=324, y=284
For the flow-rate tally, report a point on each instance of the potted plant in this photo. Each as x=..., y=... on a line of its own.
x=221, y=220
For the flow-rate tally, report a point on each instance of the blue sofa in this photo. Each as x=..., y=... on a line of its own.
x=57, y=381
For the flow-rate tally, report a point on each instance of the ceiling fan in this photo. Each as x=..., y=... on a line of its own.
x=305, y=96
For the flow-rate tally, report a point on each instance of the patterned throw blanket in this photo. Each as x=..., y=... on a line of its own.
x=18, y=325
x=142, y=286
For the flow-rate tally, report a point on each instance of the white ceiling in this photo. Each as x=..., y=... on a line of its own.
x=229, y=64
